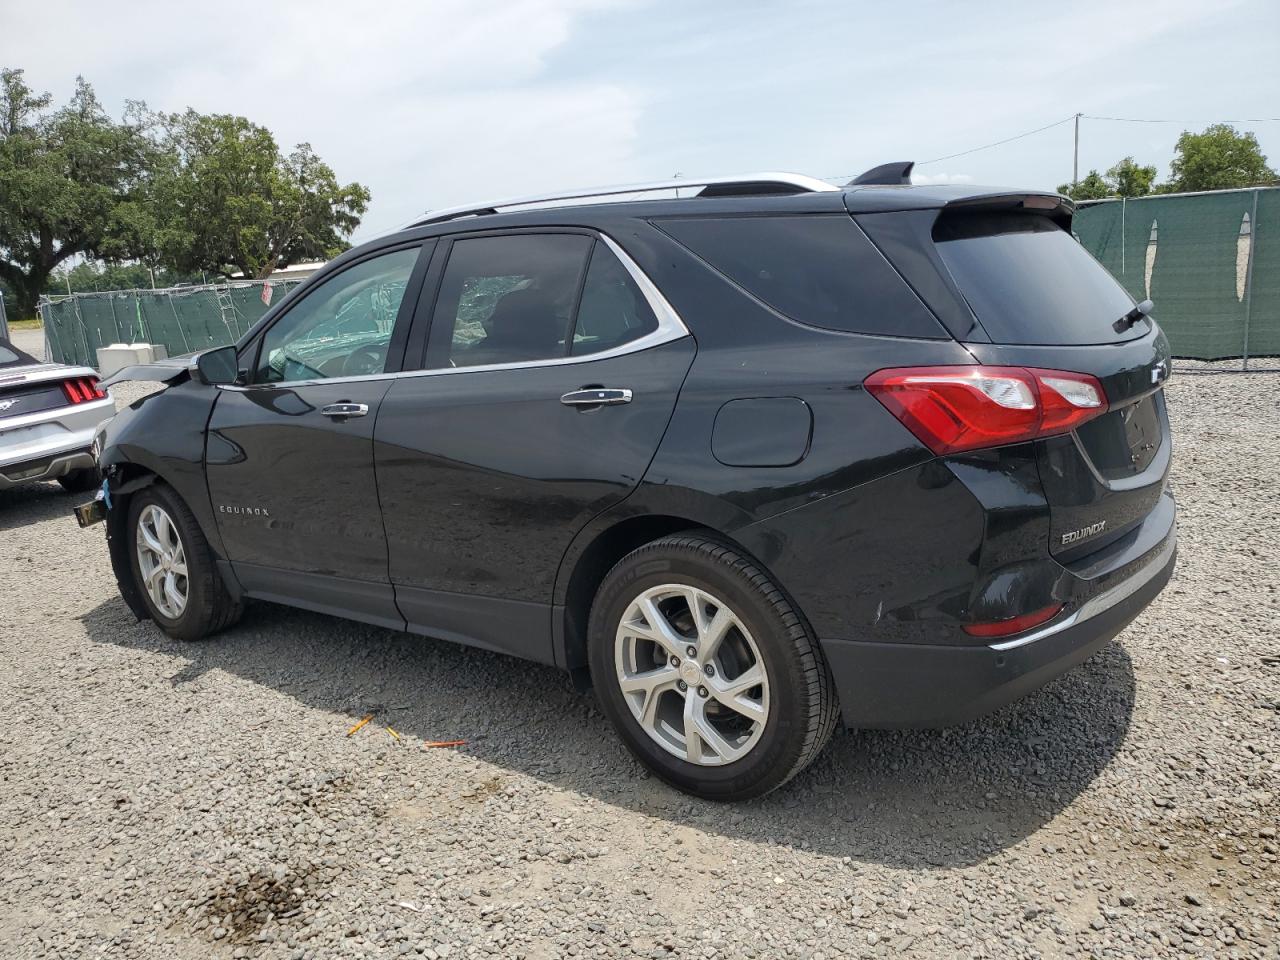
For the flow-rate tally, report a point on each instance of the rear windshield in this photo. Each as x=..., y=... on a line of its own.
x=819, y=270
x=11, y=356
x=1029, y=281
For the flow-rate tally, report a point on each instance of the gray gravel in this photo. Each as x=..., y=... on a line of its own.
x=177, y=800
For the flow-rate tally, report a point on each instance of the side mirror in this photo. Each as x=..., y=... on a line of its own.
x=217, y=367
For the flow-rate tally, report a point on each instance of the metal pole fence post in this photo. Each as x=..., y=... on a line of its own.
x=1122, y=270
x=1248, y=280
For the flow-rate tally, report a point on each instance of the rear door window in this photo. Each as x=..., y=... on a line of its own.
x=819, y=270
x=1029, y=281
x=613, y=311
x=507, y=299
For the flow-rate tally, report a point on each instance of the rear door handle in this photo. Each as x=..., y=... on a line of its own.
x=596, y=397
x=344, y=410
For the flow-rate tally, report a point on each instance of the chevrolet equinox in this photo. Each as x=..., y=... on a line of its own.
x=750, y=455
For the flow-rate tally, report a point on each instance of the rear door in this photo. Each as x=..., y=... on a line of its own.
x=550, y=373
x=289, y=456
x=1044, y=301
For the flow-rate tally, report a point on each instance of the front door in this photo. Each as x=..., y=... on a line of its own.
x=290, y=454
x=550, y=379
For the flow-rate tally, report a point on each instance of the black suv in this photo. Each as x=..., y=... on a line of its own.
x=750, y=455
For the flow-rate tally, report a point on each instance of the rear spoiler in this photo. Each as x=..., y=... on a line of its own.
x=1054, y=206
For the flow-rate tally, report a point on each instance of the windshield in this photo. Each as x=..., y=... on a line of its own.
x=1029, y=281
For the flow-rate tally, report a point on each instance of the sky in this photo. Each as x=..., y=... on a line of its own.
x=440, y=102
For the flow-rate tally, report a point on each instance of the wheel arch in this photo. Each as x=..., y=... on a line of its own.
x=598, y=555
x=126, y=479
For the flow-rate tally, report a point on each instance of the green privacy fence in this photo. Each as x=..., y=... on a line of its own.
x=1209, y=261
x=182, y=319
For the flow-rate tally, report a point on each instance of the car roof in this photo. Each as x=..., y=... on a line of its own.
x=763, y=194
x=586, y=210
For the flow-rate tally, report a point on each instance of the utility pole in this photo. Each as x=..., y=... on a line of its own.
x=1075, y=158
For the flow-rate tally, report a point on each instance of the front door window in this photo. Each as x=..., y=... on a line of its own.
x=342, y=328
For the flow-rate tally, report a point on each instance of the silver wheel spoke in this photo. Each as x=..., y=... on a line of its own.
x=171, y=592
x=720, y=625
x=163, y=529
x=692, y=737
x=651, y=686
x=711, y=737
x=150, y=539
x=162, y=561
x=732, y=693
x=698, y=608
x=659, y=629
x=156, y=587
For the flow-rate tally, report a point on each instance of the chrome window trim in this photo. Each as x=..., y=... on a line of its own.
x=670, y=327
x=1102, y=601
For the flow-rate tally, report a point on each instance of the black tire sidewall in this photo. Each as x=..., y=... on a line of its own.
x=776, y=754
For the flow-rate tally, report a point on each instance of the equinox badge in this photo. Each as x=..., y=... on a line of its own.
x=1075, y=536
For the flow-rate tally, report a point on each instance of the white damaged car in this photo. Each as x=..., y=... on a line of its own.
x=48, y=415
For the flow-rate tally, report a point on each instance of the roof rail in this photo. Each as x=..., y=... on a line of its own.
x=748, y=185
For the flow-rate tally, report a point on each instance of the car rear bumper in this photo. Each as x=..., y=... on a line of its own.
x=45, y=447
x=918, y=685
x=49, y=467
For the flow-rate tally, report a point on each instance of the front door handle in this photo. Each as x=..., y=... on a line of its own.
x=596, y=397
x=345, y=410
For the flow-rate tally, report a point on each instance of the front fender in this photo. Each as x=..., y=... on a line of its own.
x=162, y=435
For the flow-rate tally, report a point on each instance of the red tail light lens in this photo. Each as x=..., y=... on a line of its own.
x=1007, y=628
x=951, y=409
x=83, y=390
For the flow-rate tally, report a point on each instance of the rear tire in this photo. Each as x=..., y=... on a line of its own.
x=727, y=696
x=174, y=567
x=80, y=481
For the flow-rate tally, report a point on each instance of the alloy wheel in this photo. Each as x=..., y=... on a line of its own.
x=691, y=674
x=162, y=561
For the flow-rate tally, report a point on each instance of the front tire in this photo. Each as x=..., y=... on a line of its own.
x=711, y=677
x=174, y=568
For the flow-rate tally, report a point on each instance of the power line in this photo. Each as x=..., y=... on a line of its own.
x=988, y=146
x=1082, y=116
x=1087, y=116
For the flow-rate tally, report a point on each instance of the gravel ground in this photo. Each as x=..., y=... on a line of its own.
x=177, y=800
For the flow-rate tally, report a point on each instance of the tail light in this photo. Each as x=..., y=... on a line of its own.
x=83, y=390
x=1007, y=628
x=951, y=409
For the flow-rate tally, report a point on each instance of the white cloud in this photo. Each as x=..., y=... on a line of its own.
x=932, y=178
x=427, y=103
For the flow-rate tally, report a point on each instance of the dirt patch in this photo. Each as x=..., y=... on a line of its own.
x=239, y=907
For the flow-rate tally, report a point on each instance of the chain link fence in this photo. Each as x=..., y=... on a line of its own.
x=181, y=319
x=1209, y=261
